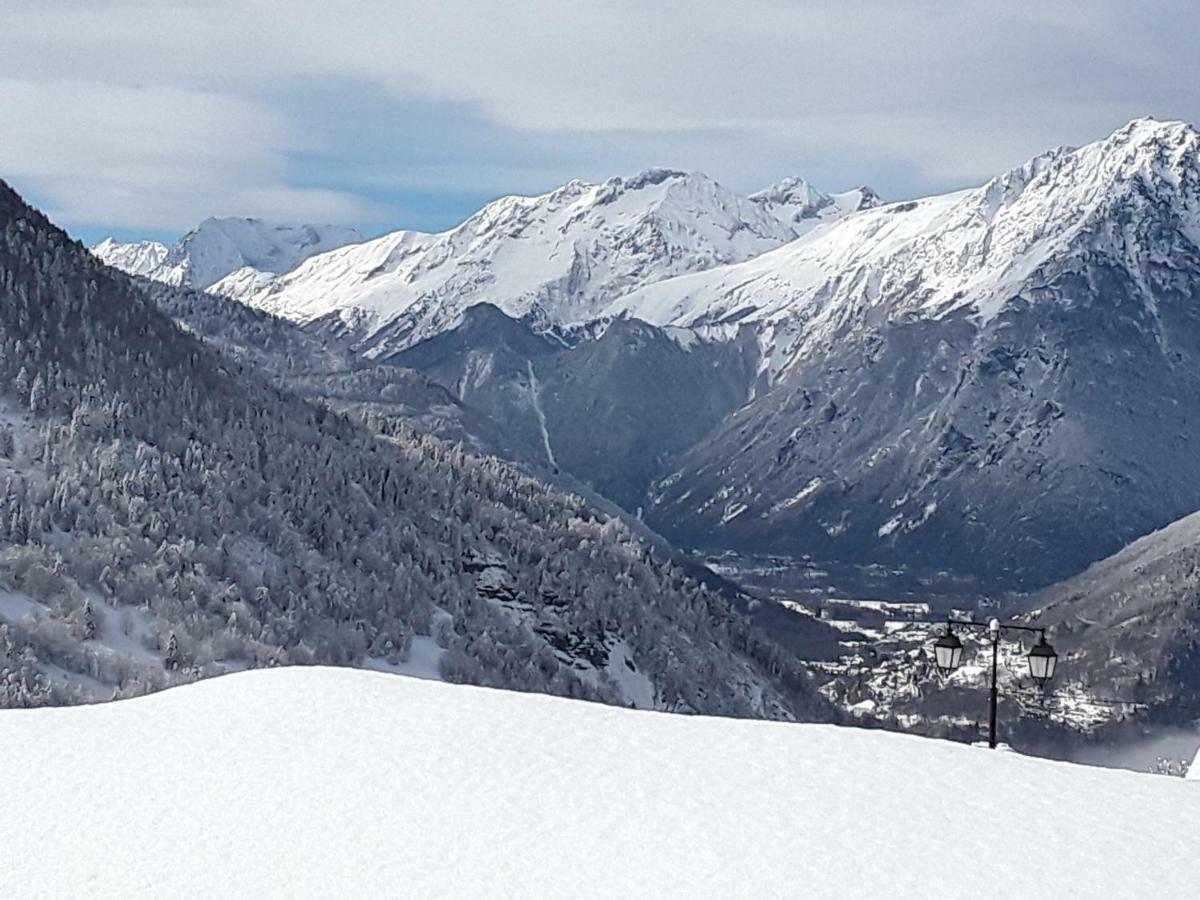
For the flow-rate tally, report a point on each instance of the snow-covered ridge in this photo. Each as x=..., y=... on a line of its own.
x=967, y=250
x=135, y=257
x=558, y=258
x=218, y=247
x=330, y=782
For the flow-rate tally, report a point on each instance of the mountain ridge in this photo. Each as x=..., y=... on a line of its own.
x=557, y=259
x=962, y=250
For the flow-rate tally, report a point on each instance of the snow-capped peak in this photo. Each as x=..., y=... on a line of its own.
x=796, y=202
x=220, y=246
x=857, y=199
x=134, y=257
x=645, y=178
x=792, y=192
x=969, y=249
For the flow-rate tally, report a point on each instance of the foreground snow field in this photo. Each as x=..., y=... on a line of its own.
x=335, y=782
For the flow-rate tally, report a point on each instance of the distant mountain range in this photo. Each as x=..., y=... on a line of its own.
x=946, y=384
x=553, y=261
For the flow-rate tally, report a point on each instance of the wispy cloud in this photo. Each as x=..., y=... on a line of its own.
x=137, y=114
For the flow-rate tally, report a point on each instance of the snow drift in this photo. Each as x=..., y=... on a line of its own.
x=319, y=782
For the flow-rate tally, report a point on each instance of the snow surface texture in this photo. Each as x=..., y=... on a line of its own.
x=329, y=782
x=247, y=250
x=559, y=258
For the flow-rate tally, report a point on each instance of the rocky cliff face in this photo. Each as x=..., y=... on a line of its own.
x=1005, y=384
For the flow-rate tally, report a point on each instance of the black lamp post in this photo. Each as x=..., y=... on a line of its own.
x=947, y=654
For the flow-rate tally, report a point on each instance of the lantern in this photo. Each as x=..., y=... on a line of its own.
x=1042, y=660
x=947, y=651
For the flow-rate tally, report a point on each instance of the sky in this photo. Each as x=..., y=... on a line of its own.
x=139, y=118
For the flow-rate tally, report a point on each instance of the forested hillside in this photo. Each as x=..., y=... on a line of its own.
x=169, y=514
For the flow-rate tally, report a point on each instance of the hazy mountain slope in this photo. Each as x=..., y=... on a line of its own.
x=325, y=371
x=618, y=408
x=216, y=248
x=166, y=516
x=1131, y=623
x=555, y=259
x=960, y=382
x=612, y=409
x=485, y=362
x=414, y=774
x=264, y=343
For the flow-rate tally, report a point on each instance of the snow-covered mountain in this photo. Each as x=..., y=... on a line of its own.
x=972, y=251
x=556, y=259
x=374, y=783
x=247, y=249
x=1002, y=381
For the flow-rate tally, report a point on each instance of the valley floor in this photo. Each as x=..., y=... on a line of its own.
x=334, y=782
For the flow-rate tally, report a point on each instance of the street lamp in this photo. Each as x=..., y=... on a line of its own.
x=947, y=654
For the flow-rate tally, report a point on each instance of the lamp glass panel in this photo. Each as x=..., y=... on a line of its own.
x=1042, y=662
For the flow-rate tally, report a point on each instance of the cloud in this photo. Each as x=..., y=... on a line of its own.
x=155, y=157
x=142, y=113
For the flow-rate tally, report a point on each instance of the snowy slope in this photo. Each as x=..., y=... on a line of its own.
x=969, y=250
x=558, y=258
x=324, y=782
x=218, y=247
